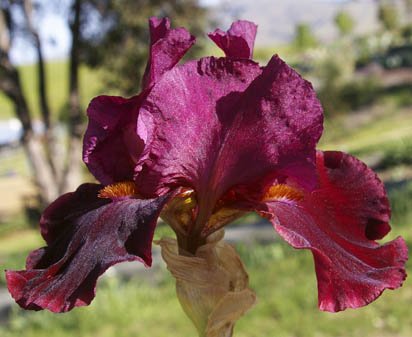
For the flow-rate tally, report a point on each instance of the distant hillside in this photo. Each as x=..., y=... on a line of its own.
x=277, y=18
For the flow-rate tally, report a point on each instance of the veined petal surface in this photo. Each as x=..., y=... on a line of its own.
x=116, y=138
x=167, y=47
x=223, y=122
x=64, y=274
x=238, y=41
x=339, y=223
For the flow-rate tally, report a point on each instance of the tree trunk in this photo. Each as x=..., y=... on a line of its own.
x=50, y=142
x=42, y=173
x=43, y=176
x=72, y=172
x=10, y=84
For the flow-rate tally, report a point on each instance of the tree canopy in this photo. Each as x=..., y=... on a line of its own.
x=344, y=23
x=304, y=37
x=120, y=44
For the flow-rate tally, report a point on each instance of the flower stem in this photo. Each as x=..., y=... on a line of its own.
x=211, y=285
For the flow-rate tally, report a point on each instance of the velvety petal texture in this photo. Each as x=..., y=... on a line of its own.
x=53, y=221
x=219, y=136
x=167, y=47
x=238, y=41
x=339, y=222
x=231, y=122
x=115, y=138
x=85, y=236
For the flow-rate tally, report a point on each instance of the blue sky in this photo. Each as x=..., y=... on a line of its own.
x=55, y=35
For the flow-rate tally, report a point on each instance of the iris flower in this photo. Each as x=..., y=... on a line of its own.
x=205, y=142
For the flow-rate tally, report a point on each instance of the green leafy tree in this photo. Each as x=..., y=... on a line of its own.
x=304, y=38
x=120, y=46
x=388, y=16
x=407, y=33
x=344, y=23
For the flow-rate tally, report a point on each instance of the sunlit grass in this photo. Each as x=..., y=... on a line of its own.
x=22, y=240
x=282, y=277
x=394, y=126
x=57, y=83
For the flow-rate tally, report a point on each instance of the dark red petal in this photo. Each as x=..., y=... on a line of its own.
x=238, y=41
x=167, y=47
x=339, y=222
x=158, y=28
x=113, y=144
x=359, y=191
x=64, y=274
x=229, y=122
x=68, y=206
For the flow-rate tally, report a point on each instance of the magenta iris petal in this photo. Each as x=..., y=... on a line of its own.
x=190, y=122
x=229, y=122
x=158, y=28
x=223, y=134
x=167, y=47
x=339, y=222
x=238, y=41
x=112, y=143
x=64, y=274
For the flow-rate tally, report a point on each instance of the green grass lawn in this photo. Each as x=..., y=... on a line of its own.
x=283, y=279
x=57, y=83
x=395, y=126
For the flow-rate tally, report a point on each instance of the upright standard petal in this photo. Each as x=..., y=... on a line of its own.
x=116, y=138
x=229, y=122
x=238, y=41
x=167, y=47
x=85, y=236
x=339, y=222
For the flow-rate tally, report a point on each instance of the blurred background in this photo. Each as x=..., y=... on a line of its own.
x=56, y=55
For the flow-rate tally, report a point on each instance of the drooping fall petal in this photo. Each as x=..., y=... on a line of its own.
x=115, y=138
x=339, y=222
x=229, y=122
x=55, y=218
x=238, y=41
x=167, y=47
x=82, y=243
